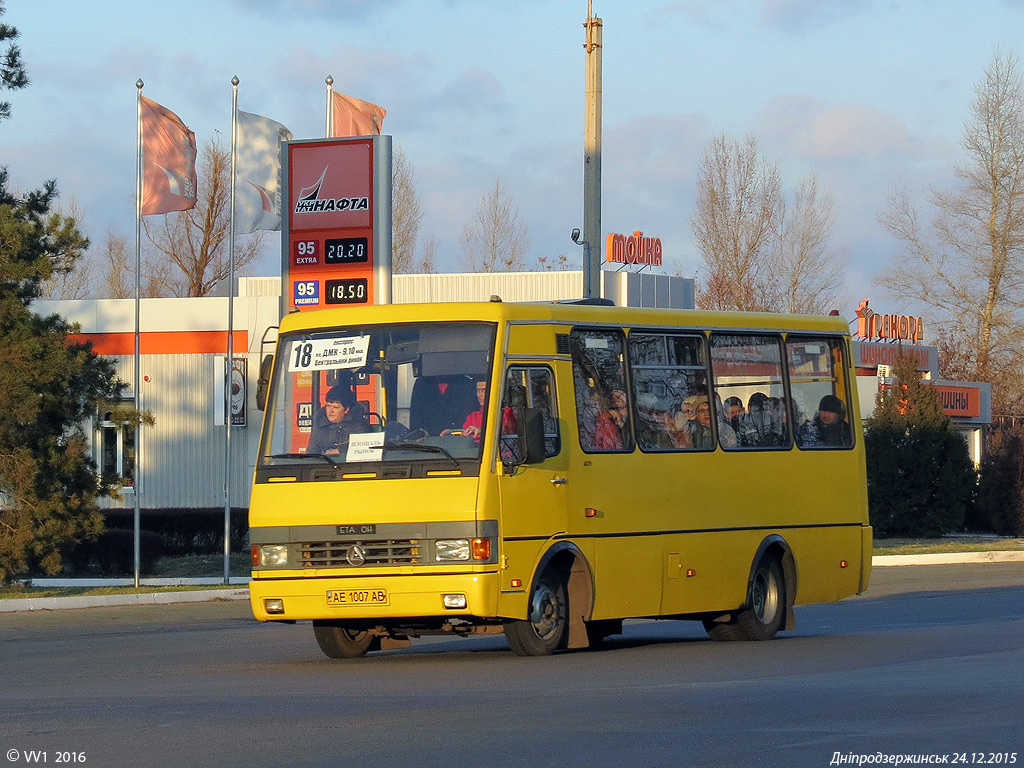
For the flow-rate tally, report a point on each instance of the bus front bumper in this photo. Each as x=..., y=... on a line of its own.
x=370, y=598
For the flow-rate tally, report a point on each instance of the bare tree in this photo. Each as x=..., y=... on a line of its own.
x=495, y=240
x=967, y=263
x=406, y=214
x=761, y=254
x=807, y=274
x=194, y=243
x=428, y=264
x=738, y=218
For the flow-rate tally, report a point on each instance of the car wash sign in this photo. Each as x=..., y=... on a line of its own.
x=337, y=244
x=633, y=249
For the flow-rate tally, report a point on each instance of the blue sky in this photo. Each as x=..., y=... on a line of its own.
x=869, y=94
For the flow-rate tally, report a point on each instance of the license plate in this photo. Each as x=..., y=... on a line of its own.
x=357, y=597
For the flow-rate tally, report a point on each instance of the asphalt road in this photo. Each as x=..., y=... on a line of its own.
x=929, y=662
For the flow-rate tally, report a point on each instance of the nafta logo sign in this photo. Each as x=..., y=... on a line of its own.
x=309, y=200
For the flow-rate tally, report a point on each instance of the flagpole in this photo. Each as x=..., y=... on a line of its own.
x=136, y=470
x=230, y=363
x=329, y=128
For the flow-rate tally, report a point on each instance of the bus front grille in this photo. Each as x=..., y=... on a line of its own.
x=350, y=554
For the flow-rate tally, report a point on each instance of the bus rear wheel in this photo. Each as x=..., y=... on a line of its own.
x=765, y=611
x=341, y=642
x=544, y=630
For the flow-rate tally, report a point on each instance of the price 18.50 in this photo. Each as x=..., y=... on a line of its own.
x=351, y=291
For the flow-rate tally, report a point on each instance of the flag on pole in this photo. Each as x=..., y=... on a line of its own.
x=168, y=161
x=355, y=117
x=258, y=172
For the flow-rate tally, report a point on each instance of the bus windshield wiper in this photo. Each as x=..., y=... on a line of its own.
x=422, y=448
x=302, y=456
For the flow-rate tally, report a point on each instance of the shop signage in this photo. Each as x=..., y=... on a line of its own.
x=892, y=327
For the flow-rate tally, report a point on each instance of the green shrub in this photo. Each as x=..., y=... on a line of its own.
x=921, y=481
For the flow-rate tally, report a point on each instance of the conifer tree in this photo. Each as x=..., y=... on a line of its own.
x=921, y=481
x=49, y=385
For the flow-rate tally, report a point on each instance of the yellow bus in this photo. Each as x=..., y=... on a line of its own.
x=548, y=470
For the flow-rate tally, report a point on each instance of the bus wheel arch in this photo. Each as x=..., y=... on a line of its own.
x=564, y=563
x=776, y=547
x=769, y=598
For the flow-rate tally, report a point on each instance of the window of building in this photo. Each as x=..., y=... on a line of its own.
x=115, y=443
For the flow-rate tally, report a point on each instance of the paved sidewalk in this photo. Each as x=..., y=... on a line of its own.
x=241, y=592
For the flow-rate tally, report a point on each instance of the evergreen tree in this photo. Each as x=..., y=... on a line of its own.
x=921, y=481
x=48, y=386
x=1001, y=489
x=12, y=71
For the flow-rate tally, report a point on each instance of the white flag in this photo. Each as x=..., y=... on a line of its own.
x=258, y=173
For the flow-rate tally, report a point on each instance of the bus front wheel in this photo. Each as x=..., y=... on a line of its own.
x=544, y=630
x=340, y=642
x=763, y=615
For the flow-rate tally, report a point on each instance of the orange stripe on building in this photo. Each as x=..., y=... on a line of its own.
x=165, y=342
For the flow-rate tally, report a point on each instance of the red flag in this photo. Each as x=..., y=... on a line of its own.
x=355, y=117
x=168, y=161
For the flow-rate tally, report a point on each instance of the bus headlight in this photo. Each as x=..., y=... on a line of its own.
x=451, y=549
x=274, y=554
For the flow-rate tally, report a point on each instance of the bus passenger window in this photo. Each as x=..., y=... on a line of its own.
x=749, y=391
x=599, y=379
x=669, y=381
x=819, y=405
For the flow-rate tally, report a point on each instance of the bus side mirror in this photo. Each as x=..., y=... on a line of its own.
x=526, y=444
x=263, y=382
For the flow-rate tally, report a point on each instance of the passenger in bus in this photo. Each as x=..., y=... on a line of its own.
x=734, y=411
x=601, y=422
x=830, y=422
x=340, y=417
x=701, y=435
x=759, y=427
x=726, y=434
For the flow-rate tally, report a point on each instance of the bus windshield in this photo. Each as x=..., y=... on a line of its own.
x=358, y=395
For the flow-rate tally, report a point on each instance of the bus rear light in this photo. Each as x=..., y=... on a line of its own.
x=481, y=549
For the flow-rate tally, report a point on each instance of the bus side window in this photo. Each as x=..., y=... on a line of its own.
x=669, y=378
x=532, y=387
x=820, y=404
x=749, y=391
x=603, y=410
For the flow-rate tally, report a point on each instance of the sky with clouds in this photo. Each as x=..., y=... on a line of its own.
x=868, y=94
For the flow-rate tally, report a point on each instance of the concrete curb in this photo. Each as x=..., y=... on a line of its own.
x=100, y=601
x=1003, y=556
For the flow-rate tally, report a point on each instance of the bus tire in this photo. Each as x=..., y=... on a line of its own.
x=765, y=611
x=341, y=642
x=545, y=630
